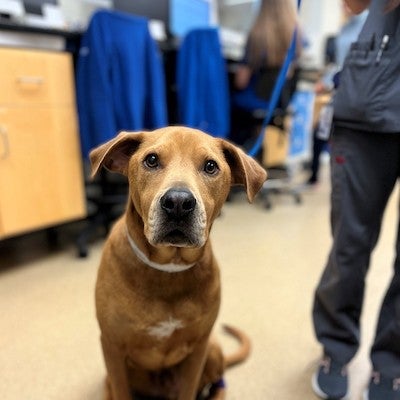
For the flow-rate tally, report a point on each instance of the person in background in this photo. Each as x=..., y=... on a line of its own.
x=365, y=166
x=268, y=41
x=340, y=45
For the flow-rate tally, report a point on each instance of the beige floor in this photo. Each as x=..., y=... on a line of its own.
x=270, y=261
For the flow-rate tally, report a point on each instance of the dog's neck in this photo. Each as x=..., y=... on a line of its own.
x=169, y=267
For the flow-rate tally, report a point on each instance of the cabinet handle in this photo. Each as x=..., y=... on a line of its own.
x=30, y=80
x=6, y=144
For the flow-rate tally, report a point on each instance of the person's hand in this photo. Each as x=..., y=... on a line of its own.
x=319, y=88
x=242, y=76
x=358, y=6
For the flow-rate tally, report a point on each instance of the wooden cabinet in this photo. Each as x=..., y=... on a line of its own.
x=41, y=178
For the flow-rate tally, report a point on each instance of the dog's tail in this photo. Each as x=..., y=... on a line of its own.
x=242, y=352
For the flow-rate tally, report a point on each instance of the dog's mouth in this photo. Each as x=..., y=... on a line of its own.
x=177, y=237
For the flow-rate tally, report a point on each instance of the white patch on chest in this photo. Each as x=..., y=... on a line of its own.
x=165, y=329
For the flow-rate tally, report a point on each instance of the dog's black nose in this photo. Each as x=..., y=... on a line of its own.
x=178, y=203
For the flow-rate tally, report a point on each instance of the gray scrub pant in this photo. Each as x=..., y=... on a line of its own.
x=364, y=170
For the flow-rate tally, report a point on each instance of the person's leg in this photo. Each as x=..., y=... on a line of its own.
x=385, y=352
x=318, y=145
x=364, y=171
x=321, y=136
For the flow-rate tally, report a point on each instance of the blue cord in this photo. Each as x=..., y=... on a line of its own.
x=276, y=93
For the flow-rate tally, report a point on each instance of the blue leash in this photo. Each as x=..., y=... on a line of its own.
x=276, y=93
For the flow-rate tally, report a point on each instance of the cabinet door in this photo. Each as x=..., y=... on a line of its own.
x=40, y=168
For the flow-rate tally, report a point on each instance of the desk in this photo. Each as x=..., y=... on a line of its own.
x=41, y=175
x=20, y=35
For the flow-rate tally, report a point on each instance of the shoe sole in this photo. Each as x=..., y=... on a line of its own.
x=317, y=390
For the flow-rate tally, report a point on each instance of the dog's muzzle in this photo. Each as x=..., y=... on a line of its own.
x=179, y=220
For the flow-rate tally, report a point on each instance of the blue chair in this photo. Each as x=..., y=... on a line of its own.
x=202, y=83
x=120, y=86
x=120, y=79
x=250, y=105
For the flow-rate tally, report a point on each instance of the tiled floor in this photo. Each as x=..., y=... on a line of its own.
x=270, y=262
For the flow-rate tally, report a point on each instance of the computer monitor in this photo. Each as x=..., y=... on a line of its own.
x=179, y=16
x=189, y=14
x=152, y=9
x=35, y=6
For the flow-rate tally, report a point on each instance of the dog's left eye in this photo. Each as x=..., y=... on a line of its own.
x=211, y=167
x=151, y=161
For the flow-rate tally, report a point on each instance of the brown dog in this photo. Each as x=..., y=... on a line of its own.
x=158, y=286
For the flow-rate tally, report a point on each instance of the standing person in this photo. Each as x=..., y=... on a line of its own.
x=267, y=44
x=365, y=166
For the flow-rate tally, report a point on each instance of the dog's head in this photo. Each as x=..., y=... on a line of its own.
x=179, y=179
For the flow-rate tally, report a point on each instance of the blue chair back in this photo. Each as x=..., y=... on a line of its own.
x=120, y=79
x=202, y=83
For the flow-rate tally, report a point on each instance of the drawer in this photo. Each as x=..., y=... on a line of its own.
x=30, y=77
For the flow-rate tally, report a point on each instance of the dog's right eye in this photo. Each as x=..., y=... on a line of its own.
x=151, y=161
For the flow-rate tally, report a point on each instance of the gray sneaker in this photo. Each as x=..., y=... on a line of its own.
x=330, y=381
x=382, y=388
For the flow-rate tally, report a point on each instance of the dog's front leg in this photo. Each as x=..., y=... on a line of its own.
x=191, y=370
x=117, y=371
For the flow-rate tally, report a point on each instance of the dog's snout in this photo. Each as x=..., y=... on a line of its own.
x=178, y=203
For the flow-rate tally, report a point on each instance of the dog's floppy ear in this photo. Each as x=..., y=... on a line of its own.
x=244, y=169
x=115, y=154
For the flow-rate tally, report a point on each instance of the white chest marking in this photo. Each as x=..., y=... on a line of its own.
x=165, y=329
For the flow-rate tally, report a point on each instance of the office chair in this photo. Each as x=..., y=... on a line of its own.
x=249, y=109
x=120, y=86
x=202, y=83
